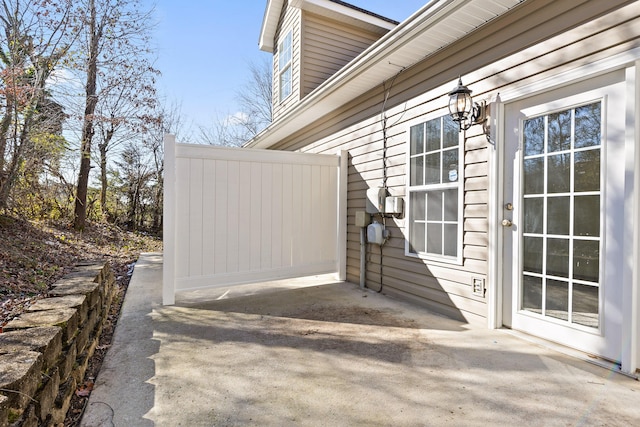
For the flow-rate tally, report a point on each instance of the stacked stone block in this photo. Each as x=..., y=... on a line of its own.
x=44, y=353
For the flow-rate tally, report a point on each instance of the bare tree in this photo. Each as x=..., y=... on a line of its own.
x=254, y=100
x=255, y=97
x=170, y=120
x=226, y=130
x=124, y=112
x=114, y=31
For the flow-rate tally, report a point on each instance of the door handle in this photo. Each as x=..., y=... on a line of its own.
x=506, y=223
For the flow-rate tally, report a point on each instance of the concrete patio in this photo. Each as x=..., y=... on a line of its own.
x=318, y=353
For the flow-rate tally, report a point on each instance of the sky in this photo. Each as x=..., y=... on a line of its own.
x=205, y=47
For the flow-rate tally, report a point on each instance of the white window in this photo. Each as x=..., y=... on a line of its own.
x=435, y=191
x=284, y=66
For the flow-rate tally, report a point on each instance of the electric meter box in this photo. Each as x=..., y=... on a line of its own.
x=375, y=233
x=393, y=205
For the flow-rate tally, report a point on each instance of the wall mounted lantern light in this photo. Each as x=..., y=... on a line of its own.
x=463, y=110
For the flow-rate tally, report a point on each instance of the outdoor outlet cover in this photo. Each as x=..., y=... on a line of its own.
x=478, y=286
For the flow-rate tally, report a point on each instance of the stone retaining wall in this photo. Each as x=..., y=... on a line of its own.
x=44, y=352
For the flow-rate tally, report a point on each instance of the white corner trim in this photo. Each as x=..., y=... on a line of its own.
x=630, y=274
x=496, y=201
x=343, y=183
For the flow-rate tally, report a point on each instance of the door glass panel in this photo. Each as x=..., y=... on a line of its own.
x=534, y=176
x=560, y=131
x=586, y=256
x=587, y=170
x=534, y=136
x=533, y=254
x=533, y=215
x=588, y=125
x=557, y=299
x=557, y=218
x=561, y=173
x=587, y=216
x=585, y=305
x=532, y=294
x=558, y=257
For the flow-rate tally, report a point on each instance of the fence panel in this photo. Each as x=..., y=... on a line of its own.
x=235, y=216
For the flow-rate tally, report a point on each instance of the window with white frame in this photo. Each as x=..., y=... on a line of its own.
x=435, y=190
x=284, y=66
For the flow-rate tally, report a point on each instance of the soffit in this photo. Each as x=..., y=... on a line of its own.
x=430, y=29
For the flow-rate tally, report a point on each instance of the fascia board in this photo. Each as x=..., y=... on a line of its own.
x=270, y=25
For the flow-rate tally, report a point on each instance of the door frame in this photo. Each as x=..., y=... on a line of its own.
x=630, y=62
x=605, y=340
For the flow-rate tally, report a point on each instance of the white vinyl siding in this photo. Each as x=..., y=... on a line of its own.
x=327, y=47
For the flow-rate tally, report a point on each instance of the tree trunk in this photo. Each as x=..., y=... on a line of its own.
x=4, y=129
x=103, y=179
x=11, y=173
x=157, y=207
x=104, y=146
x=4, y=173
x=80, y=212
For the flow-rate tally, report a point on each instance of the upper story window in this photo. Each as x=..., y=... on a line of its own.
x=435, y=190
x=284, y=66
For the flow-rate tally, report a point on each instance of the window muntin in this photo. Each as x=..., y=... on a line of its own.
x=284, y=66
x=435, y=194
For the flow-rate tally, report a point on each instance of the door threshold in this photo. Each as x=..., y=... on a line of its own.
x=568, y=351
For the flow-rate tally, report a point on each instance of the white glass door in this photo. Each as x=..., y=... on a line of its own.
x=561, y=228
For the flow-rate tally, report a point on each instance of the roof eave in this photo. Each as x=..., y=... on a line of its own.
x=373, y=62
x=270, y=24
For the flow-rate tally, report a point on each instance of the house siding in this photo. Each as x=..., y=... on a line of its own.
x=498, y=57
x=327, y=46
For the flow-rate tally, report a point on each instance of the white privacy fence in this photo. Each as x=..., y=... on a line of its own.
x=234, y=215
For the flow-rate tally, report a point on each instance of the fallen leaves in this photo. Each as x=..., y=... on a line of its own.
x=85, y=389
x=34, y=255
